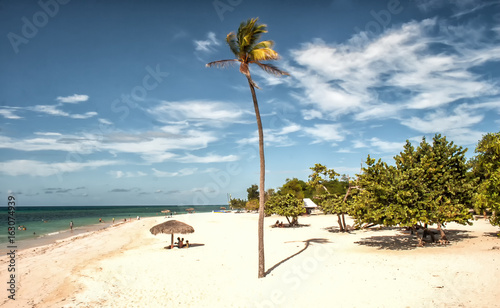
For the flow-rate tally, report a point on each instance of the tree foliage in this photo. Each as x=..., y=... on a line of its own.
x=486, y=169
x=427, y=185
x=296, y=188
x=331, y=202
x=237, y=203
x=286, y=205
x=253, y=192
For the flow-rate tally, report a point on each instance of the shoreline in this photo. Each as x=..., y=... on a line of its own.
x=126, y=265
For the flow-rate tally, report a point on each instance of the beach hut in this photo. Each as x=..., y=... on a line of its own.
x=309, y=205
x=171, y=227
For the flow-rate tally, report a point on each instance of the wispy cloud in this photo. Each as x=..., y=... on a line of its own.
x=274, y=137
x=426, y=65
x=208, y=44
x=8, y=113
x=53, y=110
x=386, y=146
x=200, y=112
x=126, y=174
x=44, y=169
x=56, y=111
x=325, y=133
x=210, y=158
x=73, y=99
x=151, y=146
x=182, y=172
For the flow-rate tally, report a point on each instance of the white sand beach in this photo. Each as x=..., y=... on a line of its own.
x=127, y=266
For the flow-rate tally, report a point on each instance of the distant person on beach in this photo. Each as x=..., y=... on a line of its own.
x=113, y=220
x=187, y=244
x=100, y=219
x=71, y=225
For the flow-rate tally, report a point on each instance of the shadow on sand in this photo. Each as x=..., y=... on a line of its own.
x=308, y=242
x=191, y=245
x=409, y=242
x=492, y=234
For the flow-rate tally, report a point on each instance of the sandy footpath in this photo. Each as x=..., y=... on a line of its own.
x=126, y=266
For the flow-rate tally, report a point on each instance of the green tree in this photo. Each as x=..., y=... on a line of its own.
x=375, y=203
x=331, y=203
x=428, y=185
x=286, y=205
x=237, y=203
x=296, y=188
x=486, y=168
x=253, y=192
x=252, y=205
x=247, y=49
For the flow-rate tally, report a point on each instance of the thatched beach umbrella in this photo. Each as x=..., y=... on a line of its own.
x=165, y=211
x=189, y=210
x=171, y=227
x=222, y=208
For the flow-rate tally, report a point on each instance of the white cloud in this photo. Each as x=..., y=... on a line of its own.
x=182, y=172
x=208, y=44
x=38, y=168
x=325, y=133
x=387, y=146
x=9, y=114
x=274, y=137
x=422, y=65
x=152, y=146
x=55, y=111
x=211, y=158
x=75, y=98
x=105, y=122
x=201, y=112
x=440, y=121
x=121, y=174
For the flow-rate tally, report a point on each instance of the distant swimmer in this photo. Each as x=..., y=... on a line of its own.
x=71, y=225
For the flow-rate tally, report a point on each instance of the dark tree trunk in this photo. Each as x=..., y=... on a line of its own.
x=262, y=190
x=340, y=223
x=420, y=239
x=444, y=239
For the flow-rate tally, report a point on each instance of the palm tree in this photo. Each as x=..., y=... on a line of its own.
x=247, y=49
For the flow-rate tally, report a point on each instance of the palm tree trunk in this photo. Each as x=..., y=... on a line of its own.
x=262, y=190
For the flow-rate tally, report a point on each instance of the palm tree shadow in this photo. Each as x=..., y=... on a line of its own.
x=308, y=242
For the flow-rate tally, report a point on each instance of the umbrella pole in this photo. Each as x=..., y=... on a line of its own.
x=172, y=242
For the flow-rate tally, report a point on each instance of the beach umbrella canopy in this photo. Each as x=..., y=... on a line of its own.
x=165, y=211
x=171, y=227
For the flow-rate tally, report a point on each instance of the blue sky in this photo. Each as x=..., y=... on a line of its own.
x=110, y=102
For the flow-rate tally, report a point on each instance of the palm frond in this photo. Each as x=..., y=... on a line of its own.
x=222, y=63
x=249, y=34
x=264, y=44
x=263, y=54
x=269, y=68
x=233, y=44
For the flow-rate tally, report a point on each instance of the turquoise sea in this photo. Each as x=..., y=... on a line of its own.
x=45, y=224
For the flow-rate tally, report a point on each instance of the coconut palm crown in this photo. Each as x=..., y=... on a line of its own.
x=247, y=49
